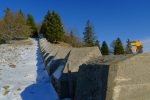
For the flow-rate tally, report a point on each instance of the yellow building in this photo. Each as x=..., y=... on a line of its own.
x=136, y=46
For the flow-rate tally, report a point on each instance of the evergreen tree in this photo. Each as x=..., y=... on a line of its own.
x=30, y=21
x=118, y=49
x=7, y=12
x=52, y=27
x=112, y=46
x=21, y=17
x=71, y=35
x=46, y=23
x=8, y=16
x=89, y=35
x=57, y=27
x=21, y=25
x=21, y=13
x=104, y=48
x=128, y=47
x=97, y=43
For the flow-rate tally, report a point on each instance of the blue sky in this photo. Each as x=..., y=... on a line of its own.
x=111, y=18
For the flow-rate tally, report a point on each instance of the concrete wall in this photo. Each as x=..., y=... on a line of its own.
x=131, y=79
x=123, y=78
x=92, y=82
x=128, y=78
x=71, y=58
x=77, y=56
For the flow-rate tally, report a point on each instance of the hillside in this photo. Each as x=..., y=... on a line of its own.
x=22, y=73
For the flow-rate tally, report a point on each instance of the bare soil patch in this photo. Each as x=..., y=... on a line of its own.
x=12, y=66
x=6, y=91
x=20, y=42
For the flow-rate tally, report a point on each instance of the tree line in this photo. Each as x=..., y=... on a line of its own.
x=117, y=45
x=52, y=28
x=17, y=26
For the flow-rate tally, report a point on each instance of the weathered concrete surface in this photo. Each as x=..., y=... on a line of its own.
x=54, y=50
x=92, y=82
x=128, y=77
x=71, y=58
x=131, y=79
x=110, y=59
x=77, y=56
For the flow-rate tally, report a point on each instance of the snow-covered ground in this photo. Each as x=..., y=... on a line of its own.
x=23, y=75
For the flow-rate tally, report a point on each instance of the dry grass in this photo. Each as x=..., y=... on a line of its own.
x=6, y=87
x=64, y=44
x=18, y=89
x=21, y=42
x=6, y=91
x=12, y=66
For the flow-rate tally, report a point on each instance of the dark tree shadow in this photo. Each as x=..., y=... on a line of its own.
x=42, y=89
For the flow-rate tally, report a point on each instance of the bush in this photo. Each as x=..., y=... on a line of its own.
x=13, y=26
x=73, y=40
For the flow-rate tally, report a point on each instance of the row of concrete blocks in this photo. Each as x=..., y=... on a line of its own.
x=61, y=61
x=127, y=80
x=72, y=57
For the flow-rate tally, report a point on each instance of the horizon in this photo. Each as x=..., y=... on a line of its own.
x=111, y=19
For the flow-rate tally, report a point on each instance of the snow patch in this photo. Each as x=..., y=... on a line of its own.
x=58, y=72
x=28, y=80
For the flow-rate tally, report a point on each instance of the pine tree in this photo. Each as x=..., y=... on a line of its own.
x=52, y=27
x=47, y=27
x=71, y=35
x=57, y=27
x=30, y=22
x=46, y=23
x=8, y=15
x=104, y=48
x=21, y=17
x=23, y=29
x=118, y=49
x=128, y=47
x=97, y=43
x=89, y=35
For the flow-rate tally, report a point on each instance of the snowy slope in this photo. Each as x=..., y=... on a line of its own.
x=23, y=75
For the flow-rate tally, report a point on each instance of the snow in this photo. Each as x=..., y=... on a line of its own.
x=58, y=72
x=23, y=75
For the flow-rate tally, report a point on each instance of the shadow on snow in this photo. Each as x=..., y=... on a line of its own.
x=42, y=89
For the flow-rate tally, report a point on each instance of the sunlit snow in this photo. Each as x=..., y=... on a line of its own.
x=23, y=75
